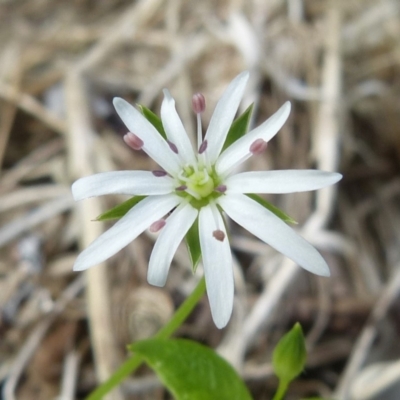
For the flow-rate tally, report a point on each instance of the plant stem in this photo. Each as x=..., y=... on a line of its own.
x=282, y=388
x=166, y=331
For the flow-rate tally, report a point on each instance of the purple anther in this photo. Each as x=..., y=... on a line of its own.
x=159, y=172
x=157, y=226
x=203, y=147
x=219, y=235
x=221, y=188
x=181, y=188
x=258, y=146
x=133, y=141
x=198, y=103
x=172, y=147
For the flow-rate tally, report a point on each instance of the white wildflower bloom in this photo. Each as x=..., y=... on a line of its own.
x=201, y=185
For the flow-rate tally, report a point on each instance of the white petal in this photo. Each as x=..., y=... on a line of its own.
x=272, y=230
x=178, y=223
x=223, y=115
x=235, y=153
x=175, y=130
x=153, y=143
x=122, y=182
x=286, y=181
x=125, y=230
x=217, y=262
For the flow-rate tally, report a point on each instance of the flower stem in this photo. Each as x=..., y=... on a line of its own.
x=282, y=388
x=166, y=331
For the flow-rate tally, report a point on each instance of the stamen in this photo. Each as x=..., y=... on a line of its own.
x=159, y=173
x=198, y=103
x=133, y=141
x=258, y=146
x=221, y=188
x=216, y=214
x=172, y=147
x=181, y=188
x=157, y=226
x=219, y=235
x=203, y=147
x=199, y=131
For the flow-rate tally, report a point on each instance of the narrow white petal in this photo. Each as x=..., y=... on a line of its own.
x=272, y=230
x=125, y=230
x=286, y=181
x=223, y=116
x=122, y=182
x=175, y=130
x=217, y=261
x=235, y=153
x=178, y=223
x=153, y=143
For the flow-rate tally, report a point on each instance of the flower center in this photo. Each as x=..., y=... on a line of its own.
x=201, y=183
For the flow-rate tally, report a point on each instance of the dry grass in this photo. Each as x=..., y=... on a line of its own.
x=62, y=62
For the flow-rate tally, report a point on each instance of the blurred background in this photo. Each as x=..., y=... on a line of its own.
x=62, y=62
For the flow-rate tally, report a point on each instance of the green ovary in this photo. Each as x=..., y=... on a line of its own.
x=200, y=183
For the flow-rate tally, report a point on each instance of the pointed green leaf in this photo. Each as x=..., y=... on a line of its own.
x=239, y=127
x=120, y=210
x=290, y=355
x=277, y=211
x=154, y=119
x=193, y=244
x=191, y=371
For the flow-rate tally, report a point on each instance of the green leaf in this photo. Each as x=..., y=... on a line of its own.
x=120, y=210
x=277, y=211
x=191, y=371
x=154, y=119
x=193, y=244
x=290, y=355
x=239, y=127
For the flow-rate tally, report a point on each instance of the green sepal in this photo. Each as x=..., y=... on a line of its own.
x=277, y=211
x=239, y=127
x=154, y=119
x=290, y=355
x=120, y=210
x=190, y=370
x=193, y=244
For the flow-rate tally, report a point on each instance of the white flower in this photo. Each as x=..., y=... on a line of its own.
x=199, y=184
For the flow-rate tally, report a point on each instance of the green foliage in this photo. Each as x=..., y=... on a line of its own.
x=290, y=355
x=191, y=371
x=193, y=244
x=154, y=119
x=239, y=127
x=121, y=209
x=277, y=211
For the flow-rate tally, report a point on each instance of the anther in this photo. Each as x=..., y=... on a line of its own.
x=172, y=147
x=258, y=146
x=203, y=147
x=221, y=188
x=219, y=235
x=133, y=141
x=181, y=188
x=157, y=226
x=159, y=173
x=198, y=103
